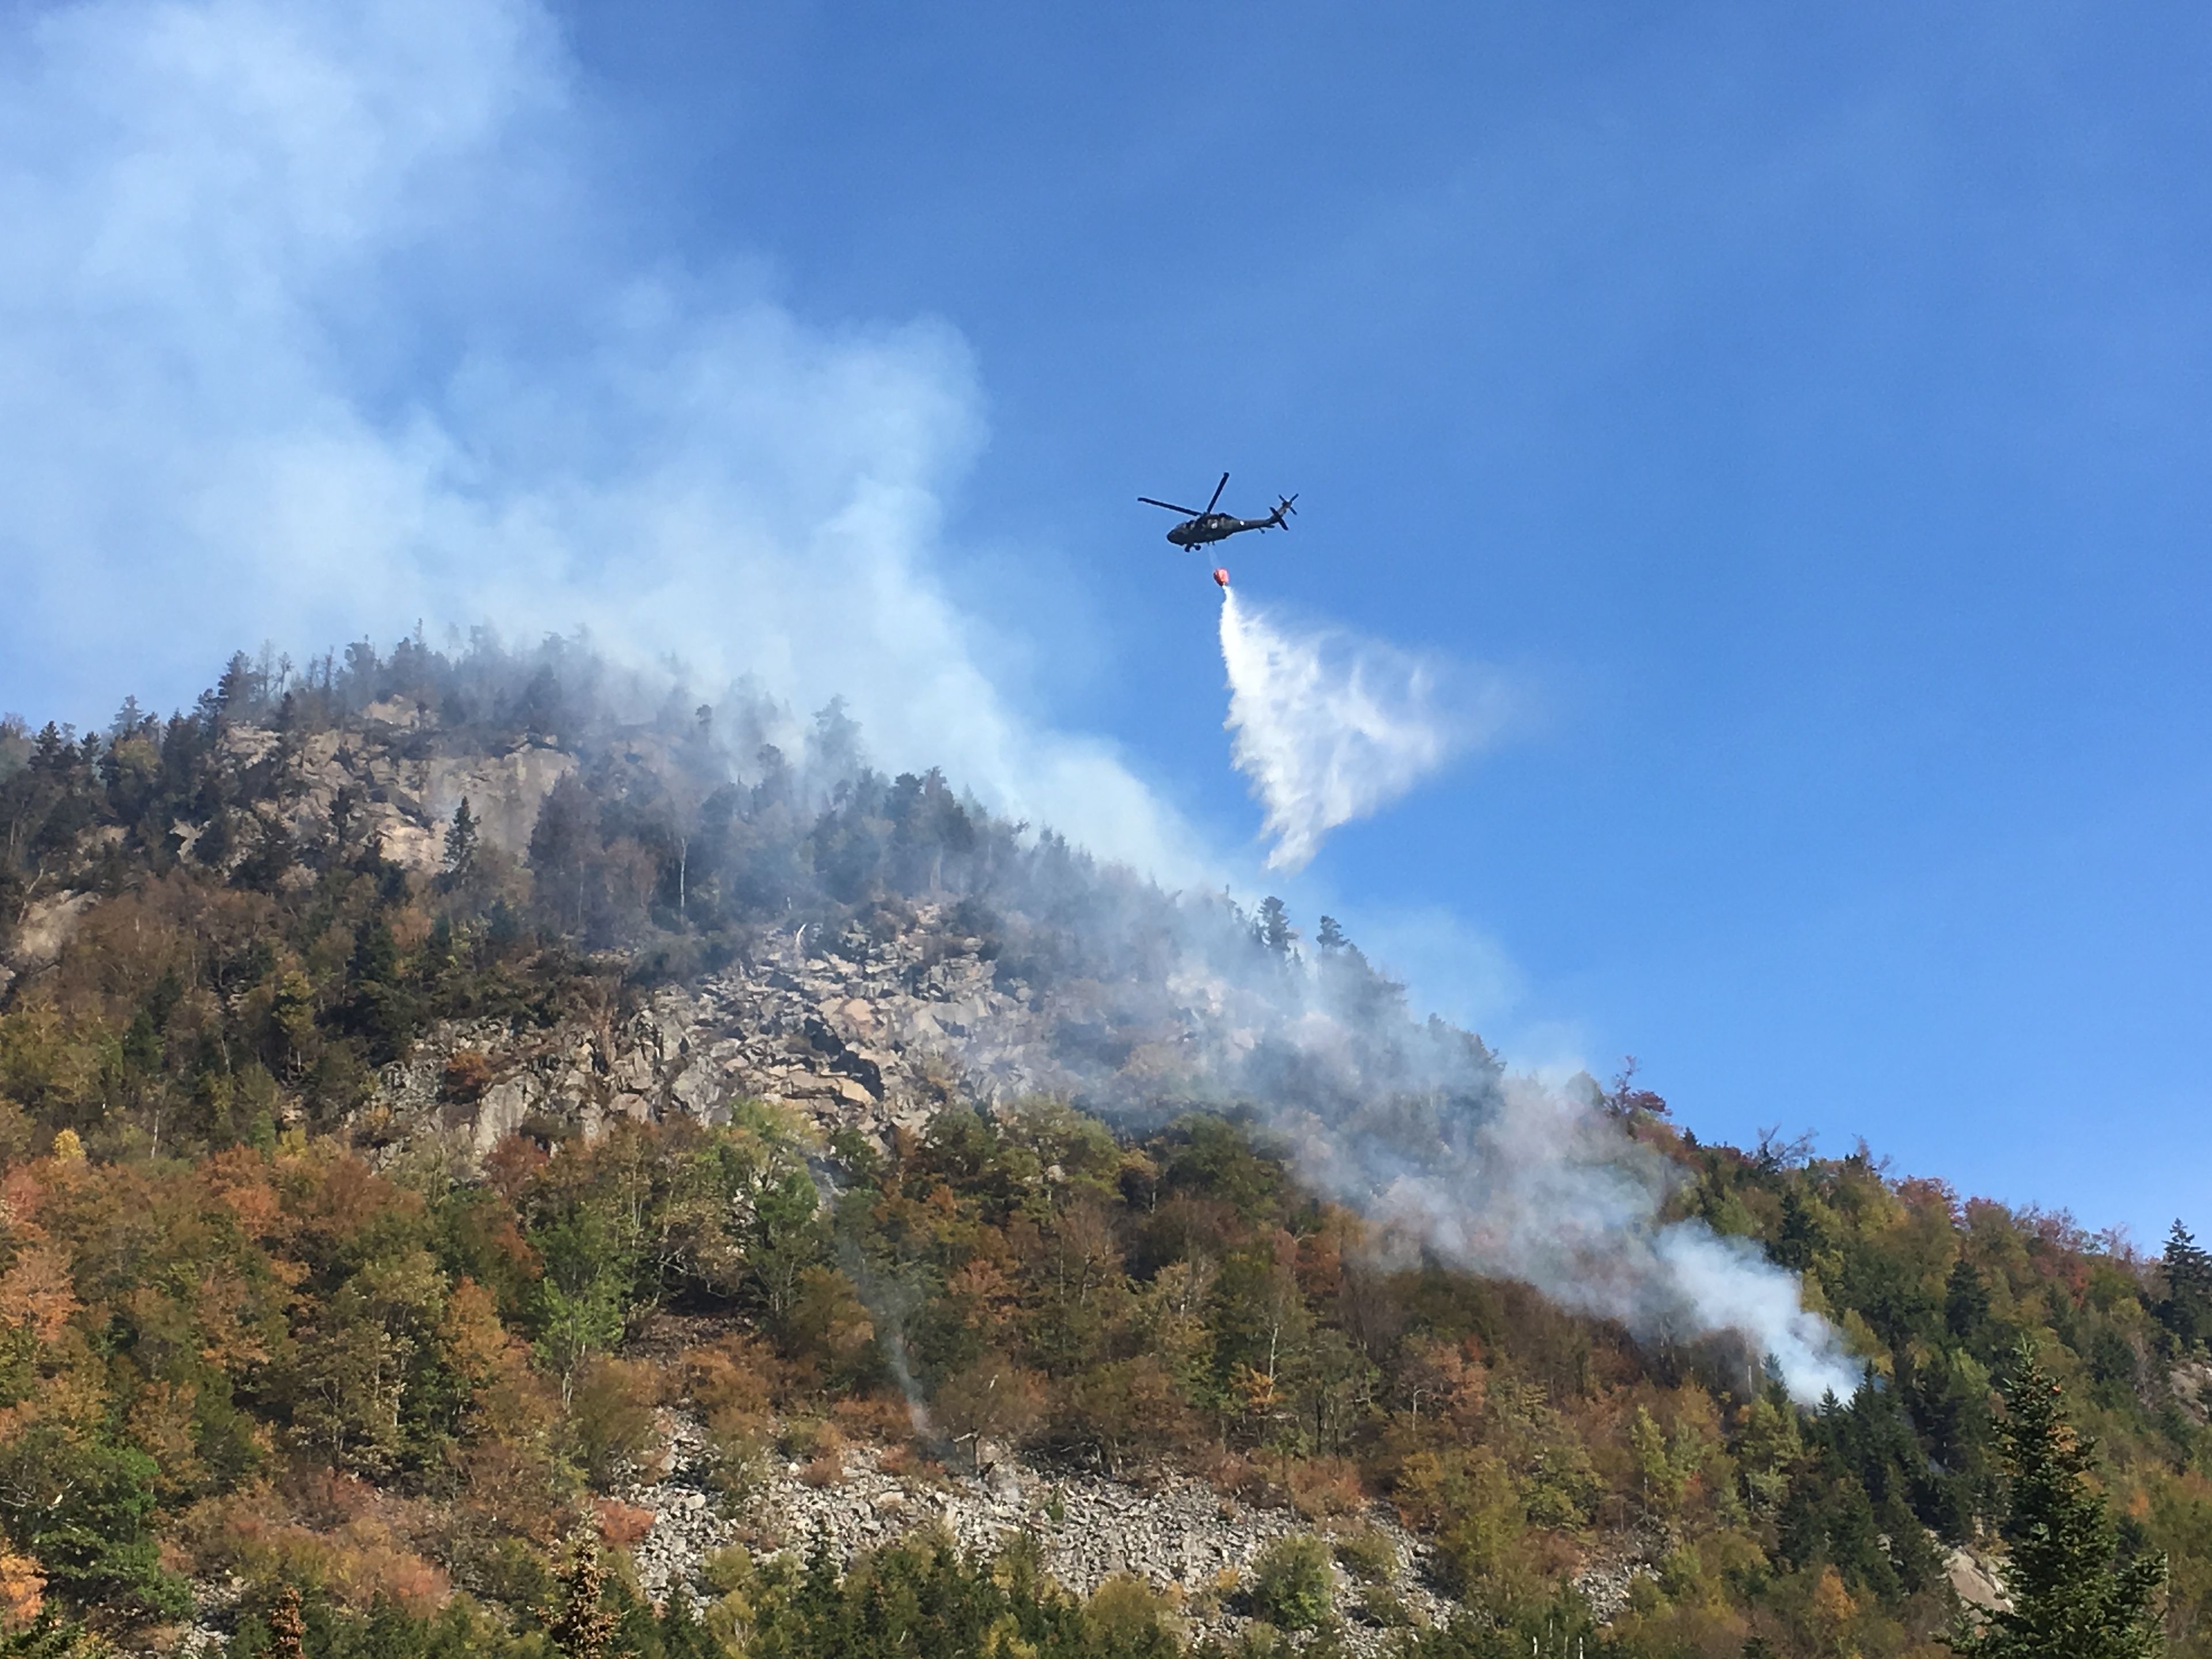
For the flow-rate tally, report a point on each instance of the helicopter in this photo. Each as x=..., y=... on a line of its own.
x=1197, y=528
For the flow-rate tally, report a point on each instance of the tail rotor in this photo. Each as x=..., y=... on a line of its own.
x=1283, y=511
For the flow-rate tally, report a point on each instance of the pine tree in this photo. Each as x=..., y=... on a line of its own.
x=50, y=752
x=2076, y=1595
x=460, y=844
x=1965, y=1301
x=238, y=694
x=1800, y=1236
x=2186, y=1308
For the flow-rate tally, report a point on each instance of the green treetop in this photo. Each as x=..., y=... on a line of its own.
x=2186, y=1308
x=2076, y=1594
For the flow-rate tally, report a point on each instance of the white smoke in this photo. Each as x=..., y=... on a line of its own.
x=1330, y=727
x=1415, y=1124
x=313, y=325
x=1537, y=1185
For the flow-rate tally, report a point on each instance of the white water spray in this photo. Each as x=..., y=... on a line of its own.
x=1329, y=726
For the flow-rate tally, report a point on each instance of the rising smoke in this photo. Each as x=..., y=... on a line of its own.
x=1329, y=727
x=1525, y=1180
x=1417, y=1126
x=316, y=322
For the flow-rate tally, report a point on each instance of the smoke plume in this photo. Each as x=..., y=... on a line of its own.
x=1329, y=727
x=1420, y=1127
x=1523, y=1180
x=316, y=322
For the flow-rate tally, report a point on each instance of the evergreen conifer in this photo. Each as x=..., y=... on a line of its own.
x=460, y=844
x=2076, y=1595
x=1965, y=1301
x=2186, y=1308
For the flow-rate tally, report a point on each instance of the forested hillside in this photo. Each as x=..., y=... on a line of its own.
x=354, y=1263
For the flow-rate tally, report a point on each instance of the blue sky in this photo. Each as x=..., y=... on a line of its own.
x=1807, y=416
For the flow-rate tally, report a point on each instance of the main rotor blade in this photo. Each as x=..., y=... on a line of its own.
x=1217, y=489
x=1188, y=512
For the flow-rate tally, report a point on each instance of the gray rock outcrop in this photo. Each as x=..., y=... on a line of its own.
x=1179, y=1536
x=853, y=1032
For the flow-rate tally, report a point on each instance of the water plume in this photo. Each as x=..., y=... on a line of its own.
x=1329, y=726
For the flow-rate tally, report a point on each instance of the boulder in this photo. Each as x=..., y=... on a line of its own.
x=503, y=1110
x=1975, y=1581
x=45, y=930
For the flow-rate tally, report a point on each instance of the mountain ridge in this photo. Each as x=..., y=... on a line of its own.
x=487, y=1009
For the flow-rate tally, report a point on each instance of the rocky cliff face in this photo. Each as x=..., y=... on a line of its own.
x=405, y=787
x=855, y=1031
x=399, y=784
x=864, y=1028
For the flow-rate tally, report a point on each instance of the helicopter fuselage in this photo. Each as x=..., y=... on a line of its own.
x=1213, y=527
